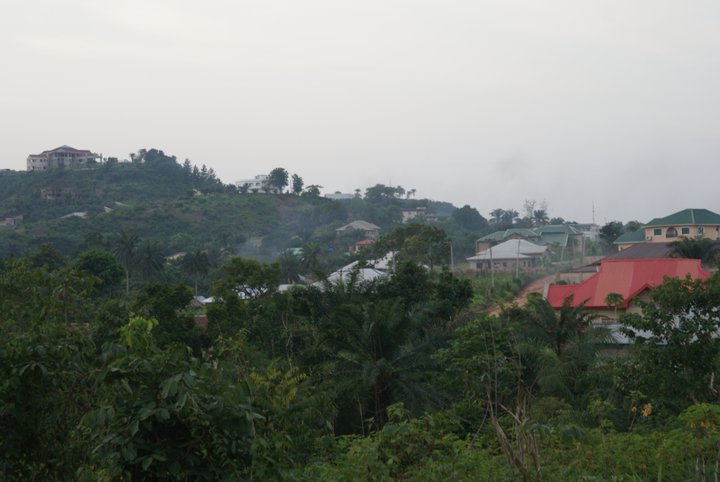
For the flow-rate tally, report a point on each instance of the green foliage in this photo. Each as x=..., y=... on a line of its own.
x=418, y=243
x=676, y=341
x=102, y=265
x=703, y=249
x=278, y=179
x=611, y=231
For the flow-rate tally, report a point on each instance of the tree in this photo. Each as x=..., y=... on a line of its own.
x=632, y=226
x=196, y=264
x=380, y=193
x=378, y=355
x=125, y=250
x=246, y=278
x=149, y=259
x=703, y=249
x=297, y=184
x=615, y=300
x=311, y=259
x=416, y=242
x=48, y=256
x=676, y=339
x=101, y=264
x=540, y=217
x=313, y=190
x=496, y=215
x=469, y=218
x=278, y=179
x=611, y=231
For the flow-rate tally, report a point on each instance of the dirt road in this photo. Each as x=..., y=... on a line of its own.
x=536, y=286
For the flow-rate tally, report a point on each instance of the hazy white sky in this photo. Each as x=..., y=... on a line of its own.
x=487, y=103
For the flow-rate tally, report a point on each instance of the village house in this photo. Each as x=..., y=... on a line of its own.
x=563, y=237
x=370, y=230
x=513, y=254
x=61, y=157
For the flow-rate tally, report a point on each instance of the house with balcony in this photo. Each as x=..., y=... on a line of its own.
x=61, y=157
x=688, y=223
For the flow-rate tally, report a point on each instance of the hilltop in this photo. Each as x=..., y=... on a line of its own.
x=185, y=208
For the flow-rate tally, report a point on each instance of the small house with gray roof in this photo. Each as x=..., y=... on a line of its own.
x=562, y=236
x=513, y=254
x=370, y=230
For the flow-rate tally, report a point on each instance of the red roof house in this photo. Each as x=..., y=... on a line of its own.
x=626, y=277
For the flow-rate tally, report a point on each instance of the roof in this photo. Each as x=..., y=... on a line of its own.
x=510, y=249
x=633, y=237
x=687, y=217
x=361, y=225
x=557, y=228
x=626, y=277
x=502, y=235
x=345, y=274
x=549, y=234
x=63, y=148
x=643, y=251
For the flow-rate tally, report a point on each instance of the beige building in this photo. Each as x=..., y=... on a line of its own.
x=688, y=223
x=61, y=157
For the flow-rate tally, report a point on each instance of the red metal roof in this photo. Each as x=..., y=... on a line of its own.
x=627, y=277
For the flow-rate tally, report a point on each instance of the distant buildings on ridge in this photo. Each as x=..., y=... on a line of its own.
x=61, y=157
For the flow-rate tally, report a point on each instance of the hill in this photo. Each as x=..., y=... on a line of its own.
x=184, y=208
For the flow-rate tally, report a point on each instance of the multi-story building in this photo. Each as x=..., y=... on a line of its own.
x=260, y=183
x=688, y=223
x=63, y=156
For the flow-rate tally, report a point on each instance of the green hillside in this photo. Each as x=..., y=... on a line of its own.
x=184, y=208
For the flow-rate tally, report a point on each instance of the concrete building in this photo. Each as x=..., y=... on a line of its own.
x=61, y=157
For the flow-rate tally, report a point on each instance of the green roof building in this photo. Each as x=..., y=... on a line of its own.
x=688, y=223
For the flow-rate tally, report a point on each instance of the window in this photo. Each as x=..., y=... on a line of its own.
x=657, y=232
x=701, y=230
x=684, y=230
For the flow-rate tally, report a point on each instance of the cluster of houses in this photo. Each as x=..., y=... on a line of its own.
x=644, y=259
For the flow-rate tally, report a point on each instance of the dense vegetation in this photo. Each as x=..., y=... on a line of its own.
x=105, y=374
x=401, y=379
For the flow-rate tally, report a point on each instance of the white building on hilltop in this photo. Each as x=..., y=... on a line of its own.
x=260, y=183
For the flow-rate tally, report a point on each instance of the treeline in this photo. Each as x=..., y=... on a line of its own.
x=405, y=378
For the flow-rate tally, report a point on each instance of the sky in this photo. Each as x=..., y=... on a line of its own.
x=604, y=106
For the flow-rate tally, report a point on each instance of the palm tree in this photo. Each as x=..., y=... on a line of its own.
x=558, y=346
x=378, y=355
x=125, y=249
x=561, y=326
x=150, y=259
x=311, y=257
x=540, y=217
x=615, y=300
x=196, y=264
